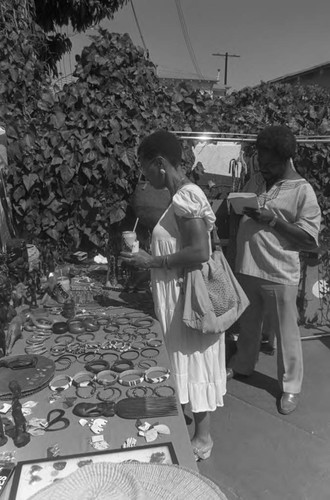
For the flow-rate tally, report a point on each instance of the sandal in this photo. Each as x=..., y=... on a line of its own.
x=202, y=453
x=88, y=410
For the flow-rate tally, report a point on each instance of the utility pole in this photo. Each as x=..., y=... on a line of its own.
x=226, y=55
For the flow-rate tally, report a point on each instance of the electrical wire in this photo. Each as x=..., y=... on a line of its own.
x=187, y=38
x=138, y=26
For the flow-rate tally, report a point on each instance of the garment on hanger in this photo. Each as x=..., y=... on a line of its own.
x=216, y=158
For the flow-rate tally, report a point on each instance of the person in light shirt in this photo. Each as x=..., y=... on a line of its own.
x=267, y=260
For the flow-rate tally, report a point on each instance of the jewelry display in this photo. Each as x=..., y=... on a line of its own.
x=90, y=410
x=149, y=352
x=142, y=331
x=154, y=343
x=91, y=356
x=122, y=320
x=164, y=391
x=57, y=349
x=106, y=377
x=108, y=394
x=152, y=379
x=120, y=365
x=133, y=392
x=41, y=322
x=60, y=383
x=91, y=324
x=125, y=378
x=82, y=379
x=63, y=366
x=112, y=355
x=60, y=327
x=147, y=363
x=76, y=326
x=138, y=345
x=151, y=336
x=111, y=329
x=97, y=365
x=64, y=339
x=130, y=355
x=146, y=322
x=85, y=392
x=35, y=350
x=59, y=418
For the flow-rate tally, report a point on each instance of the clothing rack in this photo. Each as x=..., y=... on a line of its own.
x=240, y=137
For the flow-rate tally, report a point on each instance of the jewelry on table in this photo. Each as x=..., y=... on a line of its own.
x=83, y=379
x=147, y=363
x=91, y=388
x=154, y=343
x=108, y=394
x=60, y=327
x=159, y=391
x=120, y=365
x=125, y=377
x=149, y=352
x=130, y=355
x=60, y=383
x=97, y=365
x=133, y=392
x=151, y=379
x=64, y=339
x=60, y=418
x=107, y=377
x=76, y=326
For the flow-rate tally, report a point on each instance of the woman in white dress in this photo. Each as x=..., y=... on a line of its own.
x=181, y=239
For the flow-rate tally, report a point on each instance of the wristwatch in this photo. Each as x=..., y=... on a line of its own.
x=273, y=221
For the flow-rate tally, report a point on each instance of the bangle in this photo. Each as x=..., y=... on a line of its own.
x=60, y=327
x=90, y=387
x=142, y=331
x=156, y=380
x=97, y=365
x=154, y=342
x=66, y=365
x=128, y=355
x=122, y=320
x=63, y=381
x=57, y=349
x=107, y=377
x=91, y=324
x=82, y=337
x=132, y=392
x=137, y=374
x=108, y=393
x=83, y=379
x=149, y=352
x=145, y=364
x=35, y=350
x=273, y=221
x=59, y=340
x=137, y=345
x=167, y=388
x=151, y=335
x=114, y=354
x=76, y=326
x=121, y=366
x=93, y=358
x=44, y=323
x=146, y=322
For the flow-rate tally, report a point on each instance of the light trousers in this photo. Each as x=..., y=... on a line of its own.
x=278, y=301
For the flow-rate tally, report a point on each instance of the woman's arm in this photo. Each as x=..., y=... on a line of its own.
x=195, y=242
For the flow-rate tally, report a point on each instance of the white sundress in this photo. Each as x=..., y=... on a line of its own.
x=197, y=360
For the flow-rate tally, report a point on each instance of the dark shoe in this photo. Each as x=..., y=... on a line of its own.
x=288, y=403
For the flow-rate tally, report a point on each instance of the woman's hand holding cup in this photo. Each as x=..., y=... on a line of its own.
x=137, y=259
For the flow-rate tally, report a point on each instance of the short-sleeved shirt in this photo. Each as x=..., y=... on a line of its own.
x=261, y=250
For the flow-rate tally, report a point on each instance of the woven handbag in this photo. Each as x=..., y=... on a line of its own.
x=213, y=298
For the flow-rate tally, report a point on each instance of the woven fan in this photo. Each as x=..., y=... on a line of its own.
x=147, y=407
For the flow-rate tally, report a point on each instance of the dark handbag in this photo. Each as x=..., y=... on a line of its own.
x=213, y=298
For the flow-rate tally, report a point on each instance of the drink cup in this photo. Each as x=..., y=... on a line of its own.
x=129, y=242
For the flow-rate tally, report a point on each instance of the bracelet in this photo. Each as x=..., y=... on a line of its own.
x=116, y=356
x=42, y=322
x=145, y=364
x=111, y=329
x=132, y=392
x=93, y=358
x=154, y=342
x=90, y=387
x=57, y=349
x=60, y=327
x=127, y=355
x=122, y=320
x=59, y=340
x=151, y=335
x=167, y=388
x=142, y=331
x=273, y=221
x=146, y=322
x=35, y=350
x=91, y=324
x=107, y=377
x=65, y=380
x=76, y=326
x=137, y=345
x=97, y=365
x=149, y=352
x=84, y=335
x=121, y=366
x=83, y=379
x=102, y=394
x=156, y=369
x=130, y=330
x=138, y=377
x=65, y=367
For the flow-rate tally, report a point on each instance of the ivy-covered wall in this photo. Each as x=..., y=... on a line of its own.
x=72, y=164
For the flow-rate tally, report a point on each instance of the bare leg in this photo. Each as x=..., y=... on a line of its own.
x=202, y=437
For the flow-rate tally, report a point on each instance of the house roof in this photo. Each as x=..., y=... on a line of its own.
x=301, y=73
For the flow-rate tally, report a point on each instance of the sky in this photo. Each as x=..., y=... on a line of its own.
x=272, y=37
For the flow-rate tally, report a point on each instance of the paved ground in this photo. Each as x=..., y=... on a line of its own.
x=260, y=454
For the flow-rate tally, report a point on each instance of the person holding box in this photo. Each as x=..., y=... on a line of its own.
x=267, y=261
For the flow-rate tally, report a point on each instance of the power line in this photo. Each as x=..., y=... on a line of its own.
x=187, y=38
x=138, y=26
x=226, y=55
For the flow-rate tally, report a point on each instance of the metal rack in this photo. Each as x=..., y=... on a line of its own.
x=240, y=137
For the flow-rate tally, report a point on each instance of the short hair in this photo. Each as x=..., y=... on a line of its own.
x=161, y=143
x=278, y=139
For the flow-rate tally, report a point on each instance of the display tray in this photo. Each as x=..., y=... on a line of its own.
x=32, y=373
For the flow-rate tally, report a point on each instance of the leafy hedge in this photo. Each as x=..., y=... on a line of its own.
x=72, y=166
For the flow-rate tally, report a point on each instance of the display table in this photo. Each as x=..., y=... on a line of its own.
x=76, y=439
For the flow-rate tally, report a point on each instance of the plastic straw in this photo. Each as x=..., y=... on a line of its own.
x=136, y=222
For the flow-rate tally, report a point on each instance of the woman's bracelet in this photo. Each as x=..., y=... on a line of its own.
x=163, y=374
